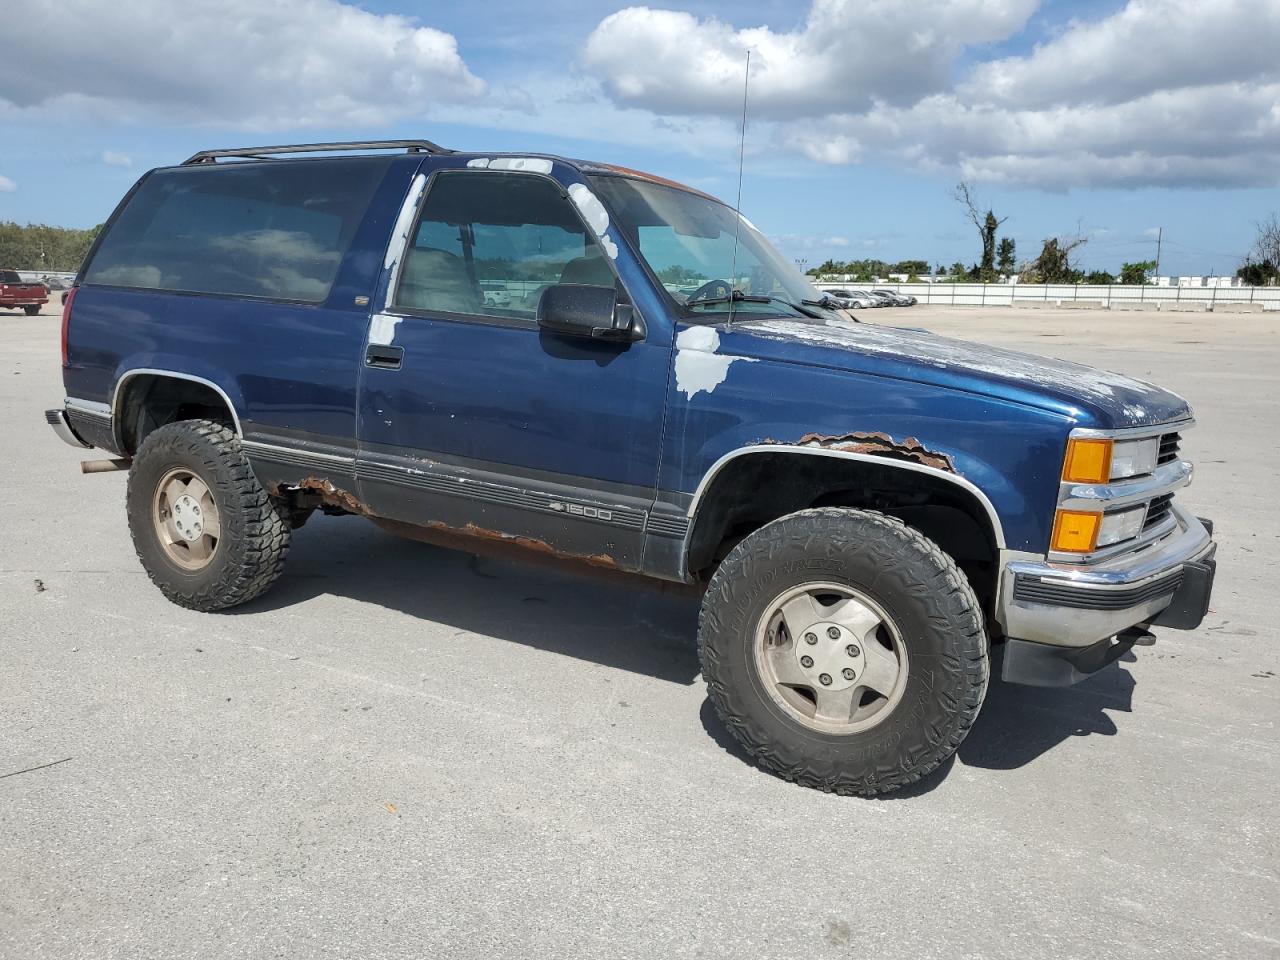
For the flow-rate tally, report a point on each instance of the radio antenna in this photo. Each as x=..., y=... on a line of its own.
x=737, y=207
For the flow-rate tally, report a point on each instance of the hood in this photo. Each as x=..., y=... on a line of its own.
x=1093, y=398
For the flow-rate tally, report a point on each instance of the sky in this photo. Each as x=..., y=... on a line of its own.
x=1107, y=119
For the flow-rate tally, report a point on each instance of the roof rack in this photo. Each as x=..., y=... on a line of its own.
x=259, y=153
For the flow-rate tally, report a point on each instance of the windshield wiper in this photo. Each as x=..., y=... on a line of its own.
x=739, y=297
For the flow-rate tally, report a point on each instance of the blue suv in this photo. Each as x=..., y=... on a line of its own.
x=595, y=364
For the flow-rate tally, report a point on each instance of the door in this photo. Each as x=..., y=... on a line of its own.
x=471, y=418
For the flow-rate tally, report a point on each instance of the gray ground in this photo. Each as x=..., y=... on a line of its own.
x=404, y=752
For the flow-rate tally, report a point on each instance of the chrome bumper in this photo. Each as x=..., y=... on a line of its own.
x=58, y=420
x=1077, y=605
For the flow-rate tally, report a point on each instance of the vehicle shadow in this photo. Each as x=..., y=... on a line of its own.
x=1020, y=723
x=634, y=625
x=1017, y=724
x=623, y=622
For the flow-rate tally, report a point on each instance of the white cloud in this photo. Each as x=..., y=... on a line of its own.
x=1160, y=93
x=845, y=56
x=7, y=185
x=286, y=63
x=806, y=242
x=113, y=158
x=1146, y=47
x=1225, y=136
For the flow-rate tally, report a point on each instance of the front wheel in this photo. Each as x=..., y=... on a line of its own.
x=206, y=532
x=844, y=650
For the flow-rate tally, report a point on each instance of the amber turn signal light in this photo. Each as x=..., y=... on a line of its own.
x=1088, y=461
x=1075, y=531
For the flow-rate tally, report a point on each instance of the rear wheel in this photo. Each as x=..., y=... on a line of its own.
x=844, y=650
x=206, y=532
x=31, y=310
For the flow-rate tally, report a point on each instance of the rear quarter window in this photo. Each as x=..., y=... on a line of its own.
x=274, y=230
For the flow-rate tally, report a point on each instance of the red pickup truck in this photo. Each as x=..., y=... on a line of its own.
x=16, y=293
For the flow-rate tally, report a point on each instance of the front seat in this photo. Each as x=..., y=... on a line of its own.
x=437, y=280
x=590, y=270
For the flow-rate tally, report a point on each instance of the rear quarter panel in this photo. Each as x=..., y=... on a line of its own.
x=290, y=369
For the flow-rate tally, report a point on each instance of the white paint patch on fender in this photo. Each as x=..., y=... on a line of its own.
x=698, y=366
x=382, y=329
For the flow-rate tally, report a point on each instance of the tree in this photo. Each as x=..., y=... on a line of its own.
x=1100, y=278
x=1054, y=263
x=1259, y=274
x=1266, y=246
x=677, y=273
x=38, y=247
x=1136, y=273
x=959, y=271
x=1262, y=266
x=1006, y=256
x=987, y=226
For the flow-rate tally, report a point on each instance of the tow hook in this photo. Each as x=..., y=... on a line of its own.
x=1139, y=636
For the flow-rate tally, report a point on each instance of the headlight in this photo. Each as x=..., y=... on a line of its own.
x=1082, y=531
x=1091, y=460
x=1121, y=525
x=1134, y=458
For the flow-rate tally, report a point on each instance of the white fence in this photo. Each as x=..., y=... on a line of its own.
x=1083, y=294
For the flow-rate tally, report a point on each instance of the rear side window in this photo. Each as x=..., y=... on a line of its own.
x=276, y=230
x=9, y=276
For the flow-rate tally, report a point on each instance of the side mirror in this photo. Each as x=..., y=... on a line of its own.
x=580, y=310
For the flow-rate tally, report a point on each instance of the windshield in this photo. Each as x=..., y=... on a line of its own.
x=688, y=242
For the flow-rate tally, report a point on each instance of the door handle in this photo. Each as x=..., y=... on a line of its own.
x=385, y=358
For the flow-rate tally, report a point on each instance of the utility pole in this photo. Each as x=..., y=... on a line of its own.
x=1159, y=238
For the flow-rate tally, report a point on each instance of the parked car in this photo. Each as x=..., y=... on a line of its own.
x=853, y=299
x=495, y=294
x=871, y=514
x=899, y=299
x=18, y=294
x=871, y=299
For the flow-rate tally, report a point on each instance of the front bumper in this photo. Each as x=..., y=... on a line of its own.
x=1078, y=608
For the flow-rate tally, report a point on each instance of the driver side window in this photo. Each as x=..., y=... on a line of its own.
x=488, y=244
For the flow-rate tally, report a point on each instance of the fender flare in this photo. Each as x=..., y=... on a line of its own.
x=997, y=528
x=126, y=376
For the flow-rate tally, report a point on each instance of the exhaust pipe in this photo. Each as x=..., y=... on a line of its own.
x=103, y=466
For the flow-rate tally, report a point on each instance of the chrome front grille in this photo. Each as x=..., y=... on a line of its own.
x=1159, y=509
x=1152, y=490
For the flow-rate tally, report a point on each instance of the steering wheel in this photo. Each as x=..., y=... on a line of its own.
x=711, y=290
